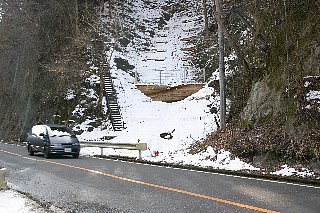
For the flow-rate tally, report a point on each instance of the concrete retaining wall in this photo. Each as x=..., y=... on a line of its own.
x=3, y=182
x=169, y=94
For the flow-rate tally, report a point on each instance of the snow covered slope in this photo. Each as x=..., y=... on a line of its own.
x=158, y=32
x=152, y=44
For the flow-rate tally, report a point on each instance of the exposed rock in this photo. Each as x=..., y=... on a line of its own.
x=263, y=102
x=315, y=166
x=123, y=64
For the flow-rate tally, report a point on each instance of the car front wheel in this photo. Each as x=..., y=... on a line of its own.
x=31, y=152
x=46, y=152
x=75, y=155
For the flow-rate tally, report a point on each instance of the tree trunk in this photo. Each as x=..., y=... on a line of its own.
x=101, y=5
x=101, y=93
x=73, y=17
x=205, y=14
x=76, y=14
x=110, y=8
x=73, y=14
x=86, y=8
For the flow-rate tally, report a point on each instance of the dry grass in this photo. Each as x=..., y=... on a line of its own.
x=270, y=140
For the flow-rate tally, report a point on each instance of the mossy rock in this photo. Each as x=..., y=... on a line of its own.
x=123, y=64
x=247, y=125
x=264, y=119
x=124, y=41
x=213, y=110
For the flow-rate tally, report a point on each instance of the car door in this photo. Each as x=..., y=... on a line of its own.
x=42, y=137
x=37, y=136
x=31, y=138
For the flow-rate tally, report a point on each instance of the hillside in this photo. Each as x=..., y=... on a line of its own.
x=54, y=73
x=155, y=46
x=274, y=114
x=247, y=119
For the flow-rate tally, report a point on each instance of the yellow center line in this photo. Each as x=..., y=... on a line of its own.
x=151, y=185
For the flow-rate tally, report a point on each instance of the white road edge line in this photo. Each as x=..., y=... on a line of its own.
x=226, y=175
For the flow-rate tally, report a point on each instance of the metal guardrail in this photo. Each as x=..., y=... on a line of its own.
x=129, y=146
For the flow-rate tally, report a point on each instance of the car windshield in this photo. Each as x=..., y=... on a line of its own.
x=59, y=131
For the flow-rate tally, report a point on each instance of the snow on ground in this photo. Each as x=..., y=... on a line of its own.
x=1, y=12
x=165, y=53
x=287, y=171
x=190, y=120
x=14, y=202
x=313, y=97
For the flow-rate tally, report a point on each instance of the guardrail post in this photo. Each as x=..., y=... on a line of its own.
x=140, y=155
x=101, y=151
x=3, y=182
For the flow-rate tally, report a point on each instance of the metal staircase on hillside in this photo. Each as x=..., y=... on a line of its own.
x=112, y=101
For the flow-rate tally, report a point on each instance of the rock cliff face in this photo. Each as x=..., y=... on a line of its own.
x=294, y=98
x=263, y=102
x=288, y=89
x=275, y=103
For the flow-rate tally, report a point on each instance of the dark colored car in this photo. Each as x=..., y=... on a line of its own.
x=53, y=139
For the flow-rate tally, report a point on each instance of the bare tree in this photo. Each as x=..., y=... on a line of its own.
x=110, y=8
x=73, y=16
x=219, y=16
x=205, y=15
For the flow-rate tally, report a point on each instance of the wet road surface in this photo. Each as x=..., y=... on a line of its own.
x=99, y=185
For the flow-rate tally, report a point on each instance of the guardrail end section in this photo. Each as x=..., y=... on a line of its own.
x=142, y=146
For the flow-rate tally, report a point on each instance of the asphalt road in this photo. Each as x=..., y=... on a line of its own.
x=99, y=185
